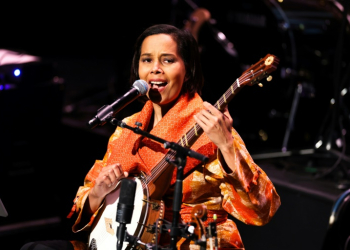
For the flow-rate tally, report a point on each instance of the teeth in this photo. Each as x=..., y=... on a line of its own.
x=157, y=82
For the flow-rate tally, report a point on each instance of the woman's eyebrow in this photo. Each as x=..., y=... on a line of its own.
x=145, y=54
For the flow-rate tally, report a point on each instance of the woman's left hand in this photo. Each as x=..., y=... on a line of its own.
x=216, y=124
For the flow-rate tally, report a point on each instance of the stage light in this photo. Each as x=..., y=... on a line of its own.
x=17, y=72
x=221, y=36
x=319, y=144
x=7, y=86
x=26, y=74
x=344, y=92
x=22, y=70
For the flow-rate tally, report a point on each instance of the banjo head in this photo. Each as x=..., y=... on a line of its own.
x=145, y=214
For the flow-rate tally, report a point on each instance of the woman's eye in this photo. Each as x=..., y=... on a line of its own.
x=169, y=60
x=146, y=60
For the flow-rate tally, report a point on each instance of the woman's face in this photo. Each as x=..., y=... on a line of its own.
x=162, y=68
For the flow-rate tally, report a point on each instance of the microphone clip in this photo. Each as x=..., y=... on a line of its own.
x=132, y=240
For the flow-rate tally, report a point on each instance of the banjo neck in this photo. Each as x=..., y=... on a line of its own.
x=251, y=76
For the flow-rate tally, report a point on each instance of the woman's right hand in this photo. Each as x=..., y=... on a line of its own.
x=105, y=183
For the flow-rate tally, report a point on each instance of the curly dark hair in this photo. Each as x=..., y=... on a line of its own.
x=188, y=50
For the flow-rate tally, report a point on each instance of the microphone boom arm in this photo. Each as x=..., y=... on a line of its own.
x=172, y=145
x=107, y=112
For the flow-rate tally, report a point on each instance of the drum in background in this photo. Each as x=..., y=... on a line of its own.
x=305, y=36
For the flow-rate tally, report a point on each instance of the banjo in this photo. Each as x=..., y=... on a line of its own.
x=148, y=213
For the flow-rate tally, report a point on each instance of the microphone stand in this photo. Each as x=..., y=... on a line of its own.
x=180, y=162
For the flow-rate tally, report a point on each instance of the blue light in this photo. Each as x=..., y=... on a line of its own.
x=17, y=72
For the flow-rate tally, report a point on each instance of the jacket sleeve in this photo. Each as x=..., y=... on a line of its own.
x=248, y=193
x=89, y=182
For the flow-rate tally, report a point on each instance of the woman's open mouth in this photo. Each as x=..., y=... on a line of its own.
x=158, y=85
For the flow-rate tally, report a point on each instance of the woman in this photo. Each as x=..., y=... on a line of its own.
x=229, y=183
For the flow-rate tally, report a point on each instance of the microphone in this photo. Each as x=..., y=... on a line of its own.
x=106, y=112
x=125, y=208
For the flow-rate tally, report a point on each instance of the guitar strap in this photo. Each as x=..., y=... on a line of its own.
x=137, y=153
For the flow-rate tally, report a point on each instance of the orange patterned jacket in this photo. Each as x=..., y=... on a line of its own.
x=247, y=194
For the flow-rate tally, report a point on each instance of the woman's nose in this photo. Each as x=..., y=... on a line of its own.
x=156, y=68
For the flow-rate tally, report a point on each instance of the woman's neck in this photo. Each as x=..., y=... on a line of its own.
x=159, y=111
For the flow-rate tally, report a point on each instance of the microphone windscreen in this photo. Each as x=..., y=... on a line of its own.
x=141, y=86
x=127, y=191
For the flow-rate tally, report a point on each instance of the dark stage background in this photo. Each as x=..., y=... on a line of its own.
x=85, y=54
